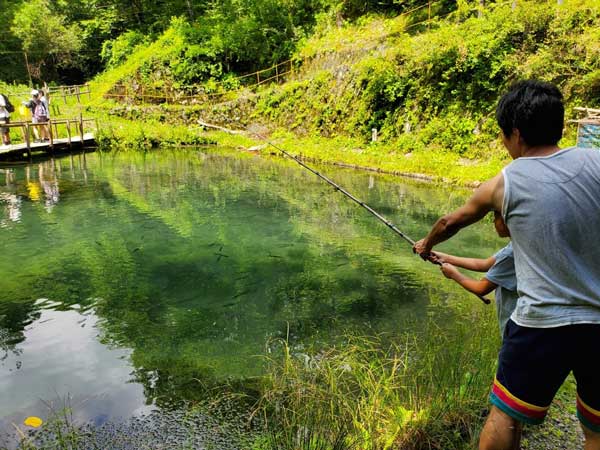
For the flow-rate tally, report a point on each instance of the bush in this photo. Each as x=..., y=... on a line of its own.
x=115, y=51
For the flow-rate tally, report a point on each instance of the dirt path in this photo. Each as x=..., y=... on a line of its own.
x=561, y=430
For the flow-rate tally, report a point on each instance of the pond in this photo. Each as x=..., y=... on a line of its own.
x=130, y=279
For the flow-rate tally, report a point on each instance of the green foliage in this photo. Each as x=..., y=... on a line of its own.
x=123, y=134
x=115, y=51
x=418, y=392
x=46, y=36
x=436, y=90
x=233, y=36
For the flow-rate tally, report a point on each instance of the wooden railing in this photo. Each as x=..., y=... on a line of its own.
x=76, y=90
x=64, y=92
x=74, y=131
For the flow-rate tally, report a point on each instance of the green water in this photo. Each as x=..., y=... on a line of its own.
x=128, y=280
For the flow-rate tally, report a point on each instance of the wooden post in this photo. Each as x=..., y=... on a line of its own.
x=69, y=133
x=49, y=125
x=56, y=130
x=77, y=92
x=28, y=139
x=64, y=95
x=257, y=77
x=481, y=6
x=81, y=127
x=277, y=73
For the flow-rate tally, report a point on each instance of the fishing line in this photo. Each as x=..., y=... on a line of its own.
x=337, y=187
x=362, y=204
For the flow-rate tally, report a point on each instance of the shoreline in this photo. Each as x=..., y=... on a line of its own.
x=430, y=167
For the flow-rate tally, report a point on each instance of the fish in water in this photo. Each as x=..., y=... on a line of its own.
x=243, y=277
x=220, y=255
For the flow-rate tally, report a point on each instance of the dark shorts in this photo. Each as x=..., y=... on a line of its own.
x=534, y=362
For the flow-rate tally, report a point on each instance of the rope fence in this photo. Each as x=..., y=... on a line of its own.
x=202, y=93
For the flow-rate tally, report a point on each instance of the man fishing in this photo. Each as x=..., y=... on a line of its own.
x=550, y=200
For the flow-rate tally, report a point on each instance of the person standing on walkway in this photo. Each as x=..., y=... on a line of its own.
x=550, y=200
x=5, y=109
x=40, y=114
x=45, y=99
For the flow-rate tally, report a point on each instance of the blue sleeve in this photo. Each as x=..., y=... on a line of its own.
x=502, y=273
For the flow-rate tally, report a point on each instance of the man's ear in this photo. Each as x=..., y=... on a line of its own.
x=518, y=138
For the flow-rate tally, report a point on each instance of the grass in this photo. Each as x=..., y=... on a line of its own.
x=115, y=134
x=59, y=430
x=445, y=167
x=411, y=392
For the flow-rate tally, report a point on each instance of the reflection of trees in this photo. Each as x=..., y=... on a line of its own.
x=195, y=262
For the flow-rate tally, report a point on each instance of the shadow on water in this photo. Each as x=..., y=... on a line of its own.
x=183, y=266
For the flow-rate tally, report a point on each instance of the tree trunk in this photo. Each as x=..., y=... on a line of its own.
x=190, y=9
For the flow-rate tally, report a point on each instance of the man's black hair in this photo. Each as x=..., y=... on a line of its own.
x=536, y=109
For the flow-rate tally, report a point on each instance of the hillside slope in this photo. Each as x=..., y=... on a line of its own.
x=429, y=89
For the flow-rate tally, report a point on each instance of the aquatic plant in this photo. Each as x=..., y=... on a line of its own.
x=408, y=392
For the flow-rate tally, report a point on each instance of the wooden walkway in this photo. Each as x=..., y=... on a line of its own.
x=61, y=143
x=74, y=129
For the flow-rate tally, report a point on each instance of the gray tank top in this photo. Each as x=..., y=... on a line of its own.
x=552, y=208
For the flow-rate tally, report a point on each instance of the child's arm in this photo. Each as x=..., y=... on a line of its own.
x=475, y=264
x=478, y=287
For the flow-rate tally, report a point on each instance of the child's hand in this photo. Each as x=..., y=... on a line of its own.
x=449, y=270
x=438, y=257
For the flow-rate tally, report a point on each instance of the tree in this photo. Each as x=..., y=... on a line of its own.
x=46, y=37
x=12, y=65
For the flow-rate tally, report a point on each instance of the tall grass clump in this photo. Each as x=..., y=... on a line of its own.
x=412, y=391
x=58, y=432
x=130, y=135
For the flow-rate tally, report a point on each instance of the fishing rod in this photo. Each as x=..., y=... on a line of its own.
x=337, y=187
x=362, y=204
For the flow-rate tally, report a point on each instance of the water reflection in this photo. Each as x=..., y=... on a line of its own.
x=171, y=272
x=78, y=371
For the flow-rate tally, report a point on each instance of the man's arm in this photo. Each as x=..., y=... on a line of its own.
x=487, y=197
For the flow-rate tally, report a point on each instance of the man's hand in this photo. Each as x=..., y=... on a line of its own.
x=449, y=271
x=423, y=249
